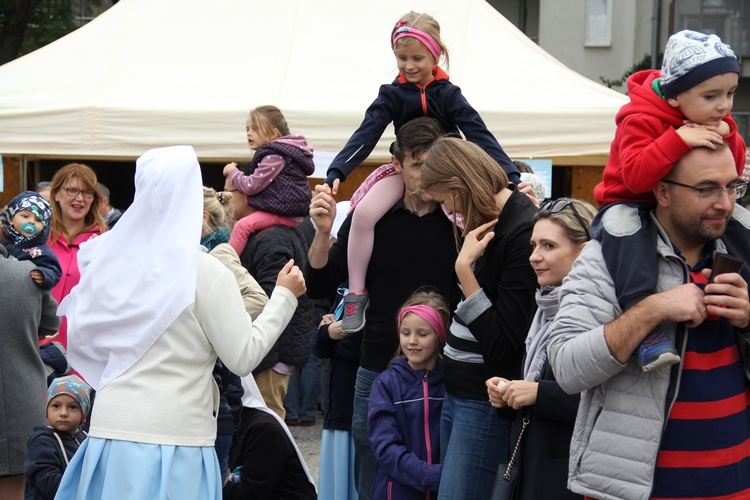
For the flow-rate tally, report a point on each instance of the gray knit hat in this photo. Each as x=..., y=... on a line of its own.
x=691, y=58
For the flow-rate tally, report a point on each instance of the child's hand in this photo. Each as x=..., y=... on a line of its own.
x=228, y=168
x=291, y=277
x=696, y=135
x=54, y=335
x=335, y=331
x=527, y=188
x=327, y=319
x=37, y=276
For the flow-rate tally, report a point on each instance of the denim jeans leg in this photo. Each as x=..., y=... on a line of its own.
x=474, y=443
x=364, y=459
x=309, y=384
x=291, y=401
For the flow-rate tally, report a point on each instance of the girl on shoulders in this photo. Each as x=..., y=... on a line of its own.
x=275, y=181
x=422, y=88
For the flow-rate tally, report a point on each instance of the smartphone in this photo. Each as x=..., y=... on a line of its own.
x=724, y=263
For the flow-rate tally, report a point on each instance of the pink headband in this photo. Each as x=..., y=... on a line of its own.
x=430, y=315
x=403, y=31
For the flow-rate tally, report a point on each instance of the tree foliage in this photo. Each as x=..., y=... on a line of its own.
x=645, y=63
x=26, y=25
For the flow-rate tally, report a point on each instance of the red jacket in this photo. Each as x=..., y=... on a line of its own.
x=646, y=144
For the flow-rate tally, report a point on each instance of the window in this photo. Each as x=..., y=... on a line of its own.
x=598, y=23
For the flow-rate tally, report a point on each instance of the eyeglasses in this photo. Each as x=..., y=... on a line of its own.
x=557, y=206
x=73, y=192
x=712, y=194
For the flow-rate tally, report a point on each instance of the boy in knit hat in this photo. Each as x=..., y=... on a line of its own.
x=50, y=448
x=25, y=227
x=684, y=106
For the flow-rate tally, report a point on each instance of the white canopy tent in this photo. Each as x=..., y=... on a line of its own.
x=152, y=73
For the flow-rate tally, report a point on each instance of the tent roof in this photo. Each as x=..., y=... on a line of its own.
x=152, y=73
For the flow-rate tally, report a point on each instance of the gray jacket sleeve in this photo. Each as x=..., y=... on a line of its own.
x=579, y=355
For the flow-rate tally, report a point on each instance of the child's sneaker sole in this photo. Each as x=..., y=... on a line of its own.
x=664, y=359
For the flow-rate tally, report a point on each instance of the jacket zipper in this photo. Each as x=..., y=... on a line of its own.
x=428, y=441
x=670, y=404
x=423, y=95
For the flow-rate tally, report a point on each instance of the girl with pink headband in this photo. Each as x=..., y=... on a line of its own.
x=422, y=88
x=406, y=402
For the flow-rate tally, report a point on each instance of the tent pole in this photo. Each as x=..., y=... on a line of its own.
x=24, y=173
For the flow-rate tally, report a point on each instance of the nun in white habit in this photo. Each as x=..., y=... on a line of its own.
x=145, y=325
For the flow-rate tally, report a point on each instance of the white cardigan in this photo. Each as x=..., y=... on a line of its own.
x=169, y=395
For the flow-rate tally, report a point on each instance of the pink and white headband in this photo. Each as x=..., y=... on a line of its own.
x=430, y=315
x=403, y=31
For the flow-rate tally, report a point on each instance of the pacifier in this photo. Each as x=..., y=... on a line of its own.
x=28, y=229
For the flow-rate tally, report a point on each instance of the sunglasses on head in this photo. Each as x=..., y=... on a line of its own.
x=557, y=206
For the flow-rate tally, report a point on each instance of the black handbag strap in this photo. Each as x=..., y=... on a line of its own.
x=506, y=475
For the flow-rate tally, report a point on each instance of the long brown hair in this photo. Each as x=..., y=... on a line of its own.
x=87, y=178
x=461, y=169
x=266, y=118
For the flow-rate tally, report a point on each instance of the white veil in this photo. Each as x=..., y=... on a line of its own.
x=137, y=278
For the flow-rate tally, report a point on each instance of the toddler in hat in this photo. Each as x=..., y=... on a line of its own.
x=25, y=227
x=685, y=105
x=50, y=448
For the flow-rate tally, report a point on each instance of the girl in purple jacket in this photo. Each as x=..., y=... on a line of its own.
x=406, y=402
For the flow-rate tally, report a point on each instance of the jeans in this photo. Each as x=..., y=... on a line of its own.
x=364, y=458
x=301, y=401
x=473, y=442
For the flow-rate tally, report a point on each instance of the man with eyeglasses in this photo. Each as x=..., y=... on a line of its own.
x=680, y=431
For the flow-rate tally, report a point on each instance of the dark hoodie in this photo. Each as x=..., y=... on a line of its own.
x=46, y=461
x=401, y=102
x=404, y=431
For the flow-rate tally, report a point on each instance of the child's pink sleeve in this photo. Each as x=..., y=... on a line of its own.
x=266, y=171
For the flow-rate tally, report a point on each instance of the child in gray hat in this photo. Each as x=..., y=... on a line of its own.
x=685, y=105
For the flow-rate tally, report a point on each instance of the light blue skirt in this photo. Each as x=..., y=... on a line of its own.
x=336, y=469
x=107, y=469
